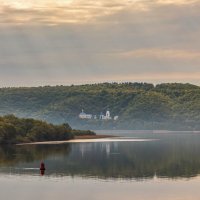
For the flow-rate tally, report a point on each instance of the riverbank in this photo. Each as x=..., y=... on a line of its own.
x=77, y=139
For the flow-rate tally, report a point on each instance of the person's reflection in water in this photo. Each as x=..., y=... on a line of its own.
x=42, y=169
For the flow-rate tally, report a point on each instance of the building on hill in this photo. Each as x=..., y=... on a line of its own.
x=116, y=118
x=83, y=115
x=105, y=117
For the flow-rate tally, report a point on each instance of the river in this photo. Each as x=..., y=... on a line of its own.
x=137, y=165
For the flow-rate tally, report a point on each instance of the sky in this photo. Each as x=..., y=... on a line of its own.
x=64, y=42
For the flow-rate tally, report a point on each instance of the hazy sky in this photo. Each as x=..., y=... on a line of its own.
x=53, y=42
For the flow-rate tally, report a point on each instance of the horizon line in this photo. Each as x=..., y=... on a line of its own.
x=97, y=83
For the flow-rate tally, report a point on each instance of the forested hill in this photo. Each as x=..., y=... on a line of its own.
x=14, y=130
x=138, y=105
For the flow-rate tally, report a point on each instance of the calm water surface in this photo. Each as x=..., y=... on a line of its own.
x=165, y=166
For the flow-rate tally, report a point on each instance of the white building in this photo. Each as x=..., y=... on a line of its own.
x=116, y=118
x=105, y=117
x=83, y=115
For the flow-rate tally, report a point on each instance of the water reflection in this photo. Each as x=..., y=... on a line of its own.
x=172, y=156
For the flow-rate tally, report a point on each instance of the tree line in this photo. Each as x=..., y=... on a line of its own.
x=15, y=130
x=138, y=105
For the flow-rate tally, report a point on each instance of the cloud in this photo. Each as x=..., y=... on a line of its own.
x=51, y=42
x=162, y=54
x=176, y=2
x=145, y=17
x=51, y=12
x=55, y=12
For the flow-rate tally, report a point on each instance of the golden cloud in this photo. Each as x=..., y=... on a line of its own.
x=161, y=53
x=72, y=11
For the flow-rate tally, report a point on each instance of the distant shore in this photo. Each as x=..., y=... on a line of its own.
x=76, y=139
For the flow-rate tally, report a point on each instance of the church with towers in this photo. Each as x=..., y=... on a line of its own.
x=107, y=116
